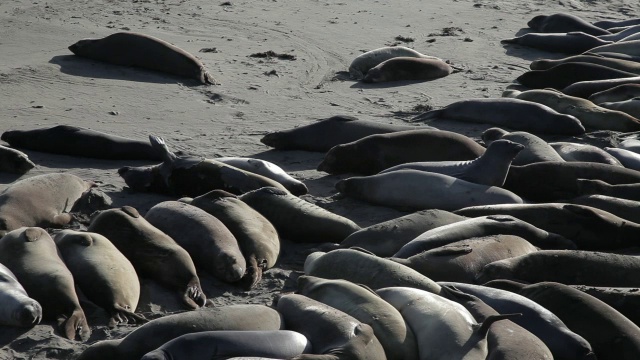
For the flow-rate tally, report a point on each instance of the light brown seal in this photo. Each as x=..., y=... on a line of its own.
x=14, y=161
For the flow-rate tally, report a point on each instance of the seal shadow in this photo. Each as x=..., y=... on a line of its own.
x=9, y=333
x=388, y=84
x=78, y=66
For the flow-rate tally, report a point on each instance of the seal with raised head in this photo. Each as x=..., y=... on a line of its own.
x=32, y=256
x=153, y=253
x=143, y=51
x=267, y=169
x=569, y=43
x=78, y=141
x=622, y=65
x=623, y=191
x=535, y=149
x=563, y=75
x=364, y=62
x=563, y=23
x=615, y=94
x=17, y=309
x=14, y=161
x=408, y=68
x=103, y=274
x=584, y=153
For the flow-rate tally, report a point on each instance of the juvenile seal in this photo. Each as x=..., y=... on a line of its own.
x=489, y=169
x=153, y=334
x=267, y=169
x=153, y=253
x=629, y=159
x=299, y=220
x=568, y=43
x=14, y=161
x=408, y=68
x=623, y=191
x=144, y=51
x=623, y=65
x=535, y=149
x=631, y=106
x=563, y=75
x=375, y=153
x=364, y=62
x=584, y=153
x=626, y=47
x=623, y=208
x=530, y=116
x=18, y=309
x=585, y=89
x=618, y=93
x=563, y=23
x=78, y=141
x=31, y=255
x=418, y=190
x=102, y=273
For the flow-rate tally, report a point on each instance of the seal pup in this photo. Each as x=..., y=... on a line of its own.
x=418, y=190
x=623, y=65
x=375, y=153
x=629, y=159
x=535, y=149
x=14, y=161
x=364, y=62
x=631, y=106
x=189, y=176
x=563, y=23
x=563, y=75
x=569, y=43
x=489, y=169
x=626, y=47
x=31, y=254
x=408, y=68
x=623, y=208
x=102, y=273
x=585, y=89
x=615, y=94
x=584, y=153
x=334, y=334
x=82, y=142
x=153, y=253
x=267, y=169
x=143, y=51
x=17, y=309
x=623, y=191
x=536, y=118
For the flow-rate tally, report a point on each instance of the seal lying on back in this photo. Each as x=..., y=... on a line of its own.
x=511, y=113
x=623, y=65
x=568, y=43
x=489, y=169
x=563, y=75
x=408, y=68
x=618, y=93
x=18, y=309
x=535, y=149
x=562, y=23
x=623, y=191
x=364, y=62
x=77, y=141
x=144, y=51
x=584, y=153
x=14, y=161
x=267, y=169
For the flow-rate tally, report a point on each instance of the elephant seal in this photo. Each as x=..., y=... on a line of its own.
x=257, y=237
x=41, y=200
x=32, y=256
x=609, y=24
x=223, y=344
x=102, y=273
x=563, y=343
x=210, y=244
x=590, y=115
x=153, y=253
x=267, y=169
x=535, y=149
x=623, y=208
x=563, y=75
x=532, y=117
x=324, y=134
x=375, y=153
x=584, y=153
x=463, y=260
x=143, y=51
x=334, y=334
x=615, y=94
x=78, y=141
x=631, y=106
x=569, y=43
x=631, y=145
x=418, y=190
x=624, y=300
x=367, y=269
x=153, y=334
x=299, y=220
x=188, y=176
x=589, y=228
x=483, y=226
x=386, y=238
x=408, y=68
x=623, y=191
x=365, y=62
x=629, y=159
x=18, y=309
x=366, y=306
x=570, y=267
x=622, y=65
x=611, y=335
x=488, y=169
x=617, y=36
x=563, y=23
x=14, y=161
x=585, y=89
x=626, y=47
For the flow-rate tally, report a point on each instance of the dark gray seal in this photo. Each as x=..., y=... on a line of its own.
x=568, y=43
x=563, y=75
x=595, y=187
x=585, y=89
x=618, y=93
x=624, y=208
x=622, y=65
x=583, y=153
x=14, y=161
x=608, y=24
x=408, y=68
x=563, y=23
x=625, y=300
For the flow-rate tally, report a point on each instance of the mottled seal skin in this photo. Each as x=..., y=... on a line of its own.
x=622, y=65
x=32, y=256
x=362, y=268
x=585, y=89
x=631, y=106
x=563, y=343
x=408, y=68
x=612, y=335
x=364, y=62
x=78, y=141
x=42, y=200
x=334, y=334
x=17, y=309
x=535, y=149
x=223, y=344
x=568, y=43
x=103, y=273
x=153, y=334
x=629, y=159
x=267, y=169
x=563, y=75
x=584, y=153
x=624, y=300
x=14, y=161
x=488, y=169
x=366, y=306
x=386, y=238
x=532, y=117
x=143, y=51
x=621, y=47
x=153, y=253
x=299, y=220
x=623, y=208
x=618, y=93
x=563, y=23
x=324, y=134
x=257, y=237
x=623, y=191
x=418, y=190
x=188, y=176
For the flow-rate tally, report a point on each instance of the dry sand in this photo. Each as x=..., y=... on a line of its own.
x=42, y=84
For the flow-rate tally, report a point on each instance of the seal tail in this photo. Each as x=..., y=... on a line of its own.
x=75, y=324
x=208, y=79
x=429, y=115
x=125, y=316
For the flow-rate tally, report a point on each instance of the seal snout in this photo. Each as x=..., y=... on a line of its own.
x=123, y=170
x=271, y=139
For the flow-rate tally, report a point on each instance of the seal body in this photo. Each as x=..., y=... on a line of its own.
x=563, y=75
x=624, y=300
x=408, y=68
x=615, y=94
x=18, y=308
x=623, y=208
x=568, y=43
x=621, y=33
x=622, y=47
x=629, y=159
x=623, y=191
x=14, y=161
x=609, y=24
x=631, y=106
x=267, y=169
x=584, y=153
x=364, y=62
x=585, y=89
x=144, y=51
x=623, y=65
x=562, y=23
x=535, y=149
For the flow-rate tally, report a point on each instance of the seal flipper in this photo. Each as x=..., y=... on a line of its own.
x=122, y=315
x=315, y=357
x=429, y=115
x=483, y=329
x=194, y=297
x=75, y=324
x=253, y=273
